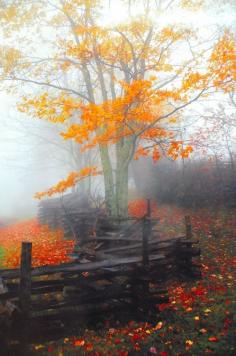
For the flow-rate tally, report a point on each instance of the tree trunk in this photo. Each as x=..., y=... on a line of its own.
x=108, y=181
x=124, y=153
x=122, y=191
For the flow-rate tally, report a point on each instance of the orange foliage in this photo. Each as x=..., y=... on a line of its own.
x=133, y=113
x=72, y=179
x=138, y=208
x=155, y=83
x=49, y=248
x=141, y=151
x=223, y=62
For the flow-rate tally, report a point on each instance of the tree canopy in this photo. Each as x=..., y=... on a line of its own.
x=125, y=86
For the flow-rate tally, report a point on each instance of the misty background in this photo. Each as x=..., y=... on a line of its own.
x=34, y=157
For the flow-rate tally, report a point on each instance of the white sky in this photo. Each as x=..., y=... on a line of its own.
x=117, y=13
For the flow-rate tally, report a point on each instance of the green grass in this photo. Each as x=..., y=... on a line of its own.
x=1, y=256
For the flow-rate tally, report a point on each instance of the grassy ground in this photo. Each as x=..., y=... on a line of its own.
x=200, y=318
x=1, y=256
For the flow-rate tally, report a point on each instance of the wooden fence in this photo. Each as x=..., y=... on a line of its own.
x=117, y=272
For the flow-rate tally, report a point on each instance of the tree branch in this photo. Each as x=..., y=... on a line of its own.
x=69, y=90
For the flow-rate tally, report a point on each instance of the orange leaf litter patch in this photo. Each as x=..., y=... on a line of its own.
x=138, y=208
x=49, y=248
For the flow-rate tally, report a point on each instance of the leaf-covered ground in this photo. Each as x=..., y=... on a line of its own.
x=199, y=319
x=200, y=316
x=49, y=247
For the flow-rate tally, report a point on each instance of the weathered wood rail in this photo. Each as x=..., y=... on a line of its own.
x=119, y=271
x=66, y=213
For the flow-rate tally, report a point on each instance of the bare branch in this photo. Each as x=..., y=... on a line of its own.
x=69, y=90
x=172, y=112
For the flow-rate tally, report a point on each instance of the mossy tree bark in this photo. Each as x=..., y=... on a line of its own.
x=124, y=154
x=108, y=181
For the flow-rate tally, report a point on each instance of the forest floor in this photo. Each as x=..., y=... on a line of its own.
x=1, y=255
x=200, y=317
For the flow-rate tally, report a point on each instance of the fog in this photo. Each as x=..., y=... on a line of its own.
x=31, y=155
x=27, y=165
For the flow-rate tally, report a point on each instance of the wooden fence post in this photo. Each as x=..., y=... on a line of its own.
x=188, y=227
x=25, y=297
x=189, y=235
x=25, y=280
x=146, y=233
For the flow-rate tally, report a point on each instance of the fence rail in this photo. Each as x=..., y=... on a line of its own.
x=125, y=272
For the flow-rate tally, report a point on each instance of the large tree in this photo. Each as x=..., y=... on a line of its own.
x=128, y=84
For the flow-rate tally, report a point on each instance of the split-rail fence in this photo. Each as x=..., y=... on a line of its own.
x=124, y=270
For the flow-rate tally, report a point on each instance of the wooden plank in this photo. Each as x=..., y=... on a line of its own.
x=189, y=242
x=55, y=286
x=111, y=239
x=146, y=232
x=188, y=227
x=50, y=288
x=146, y=235
x=78, y=279
x=134, y=246
x=78, y=297
x=75, y=268
x=92, y=266
x=78, y=302
x=137, y=249
x=25, y=279
x=75, y=312
x=15, y=273
x=25, y=295
x=124, y=219
x=9, y=295
x=10, y=273
x=188, y=253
